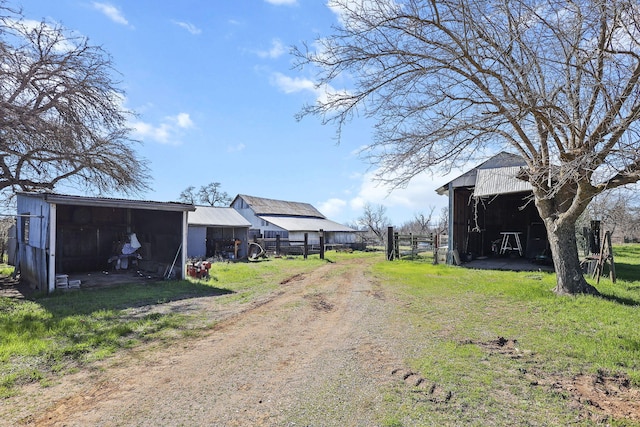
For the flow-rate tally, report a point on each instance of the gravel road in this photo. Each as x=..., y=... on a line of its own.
x=316, y=352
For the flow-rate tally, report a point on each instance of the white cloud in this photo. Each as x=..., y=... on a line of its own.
x=167, y=132
x=332, y=207
x=182, y=120
x=111, y=12
x=282, y=2
x=291, y=85
x=277, y=49
x=401, y=204
x=189, y=27
x=25, y=26
x=236, y=148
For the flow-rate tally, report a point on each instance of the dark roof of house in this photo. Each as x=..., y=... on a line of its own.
x=65, y=199
x=262, y=206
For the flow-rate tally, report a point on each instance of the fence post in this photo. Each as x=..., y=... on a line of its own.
x=414, y=245
x=436, y=243
x=390, y=244
x=321, y=243
x=277, y=245
x=306, y=245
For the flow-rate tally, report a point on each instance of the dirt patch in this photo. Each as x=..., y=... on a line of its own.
x=599, y=397
x=319, y=302
x=294, y=278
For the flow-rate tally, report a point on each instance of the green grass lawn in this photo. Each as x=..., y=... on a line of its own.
x=456, y=316
x=54, y=334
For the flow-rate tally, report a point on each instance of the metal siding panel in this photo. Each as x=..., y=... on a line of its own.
x=197, y=242
x=499, y=181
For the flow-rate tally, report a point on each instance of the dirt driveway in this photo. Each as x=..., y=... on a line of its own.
x=313, y=352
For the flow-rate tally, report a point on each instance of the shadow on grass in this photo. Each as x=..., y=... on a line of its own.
x=120, y=297
x=627, y=272
x=631, y=302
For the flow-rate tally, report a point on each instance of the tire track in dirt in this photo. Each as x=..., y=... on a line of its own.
x=315, y=339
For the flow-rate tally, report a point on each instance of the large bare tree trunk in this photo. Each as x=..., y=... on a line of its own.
x=570, y=278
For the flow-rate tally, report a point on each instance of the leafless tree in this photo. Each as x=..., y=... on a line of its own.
x=423, y=221
x=209, y=194
x=61, y=113
x=213, y=196
x=374, y=218
x=557, y=81
x=419, y=224
x=188, y=195
x=618, y=212
x=443, y=223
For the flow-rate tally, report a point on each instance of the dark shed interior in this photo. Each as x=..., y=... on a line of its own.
x=478, y=223
x=89, y=236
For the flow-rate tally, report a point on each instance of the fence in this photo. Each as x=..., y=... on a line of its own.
x=413, y=245
x=279, y=246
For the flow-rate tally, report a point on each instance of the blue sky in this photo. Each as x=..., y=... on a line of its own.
x=215, y=92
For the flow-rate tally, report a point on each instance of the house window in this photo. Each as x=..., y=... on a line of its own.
x=265, y=223
x=25, y=228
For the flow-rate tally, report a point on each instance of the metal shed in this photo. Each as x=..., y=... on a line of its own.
x=63, y=234
x=217, y=231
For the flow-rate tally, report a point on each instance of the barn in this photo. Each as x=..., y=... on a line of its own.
x=62, y=235
x=492, y=212
x=217, y=232
x=290, y=220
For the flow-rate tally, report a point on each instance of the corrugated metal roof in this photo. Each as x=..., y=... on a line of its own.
x=65, y=199
x=499, y=181
x=214, y=216
x=305, y=224
x=470, y=178
x=262, y=206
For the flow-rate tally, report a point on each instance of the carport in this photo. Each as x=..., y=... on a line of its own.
x=62, y=235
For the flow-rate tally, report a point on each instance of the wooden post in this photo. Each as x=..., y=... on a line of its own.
x=306, y=245
x=435, y=248
x=396, y=245
x=390, y=244
x=277, y=245
x=321, y=243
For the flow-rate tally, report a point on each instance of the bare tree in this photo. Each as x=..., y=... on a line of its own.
x=618, y=212
x=211, y=195
x=61, y=114
x=188, y=195
x=557, y=81
x=374, y=218
x=423, y=221
x=443, y=223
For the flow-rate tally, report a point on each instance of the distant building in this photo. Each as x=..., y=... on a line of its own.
x=217, y=232
x=290, y=220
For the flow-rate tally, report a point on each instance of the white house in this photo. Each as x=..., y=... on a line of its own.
x=290, y=220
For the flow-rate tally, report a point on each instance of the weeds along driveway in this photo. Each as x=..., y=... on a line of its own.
x=313, y=352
